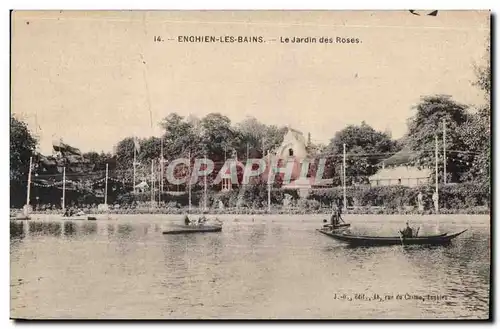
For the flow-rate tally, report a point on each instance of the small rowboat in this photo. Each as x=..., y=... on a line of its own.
x=363, y=240
x=185, y=229
x=336, y=227
x=21, y=218
x=74, y=217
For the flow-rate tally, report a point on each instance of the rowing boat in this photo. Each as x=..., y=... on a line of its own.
x=363, y=240
x=184, y=229
x=336, y=227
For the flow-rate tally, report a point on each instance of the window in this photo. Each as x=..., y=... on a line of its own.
x=399, y=181
x=290, y=152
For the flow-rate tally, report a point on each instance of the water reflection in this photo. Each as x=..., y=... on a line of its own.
x=16, y=230
x=124, y=230
x=257, y=235
x=89, y=228
x=111, y=230
x=45, y=228
x=70, y=228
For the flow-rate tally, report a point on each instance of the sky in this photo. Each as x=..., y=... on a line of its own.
x=94, y=78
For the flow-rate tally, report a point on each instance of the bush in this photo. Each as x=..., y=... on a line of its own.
x=452, y=196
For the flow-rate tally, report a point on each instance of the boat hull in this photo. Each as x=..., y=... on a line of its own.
x=355, y=240
x=336, y=227
x=193, y=229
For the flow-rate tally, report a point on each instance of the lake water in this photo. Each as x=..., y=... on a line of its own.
x=258, y=267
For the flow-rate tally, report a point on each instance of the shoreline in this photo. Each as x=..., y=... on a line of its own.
x=246, y=211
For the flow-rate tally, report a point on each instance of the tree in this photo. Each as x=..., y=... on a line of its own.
x=365, y=148
x=150, y=149
x=22, y=147
x=483, y=75
x=476, y=133
x=218, y=136
x=258, y=137
x=180, y=136
x=427, y=123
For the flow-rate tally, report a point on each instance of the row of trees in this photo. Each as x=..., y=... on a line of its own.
x=468, y=141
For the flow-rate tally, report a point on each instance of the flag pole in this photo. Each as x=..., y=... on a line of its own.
x=189, y=183
x=152, y=183
x=444, y=151
x=344, y=181
x=437, y=176
x=161, y=168
x=205, y=186
x=106, y=187
x=133, y=164
x=64, y=190
x=269, y=183
x=29, y=186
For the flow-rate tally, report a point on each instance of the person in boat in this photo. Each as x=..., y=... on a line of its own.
x=186, y=220
x=334, y=219
x=407, y=232
x=202, y=220
x=339, y=210
x=68, y=212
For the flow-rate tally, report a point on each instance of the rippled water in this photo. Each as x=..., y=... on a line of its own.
x=257, y=267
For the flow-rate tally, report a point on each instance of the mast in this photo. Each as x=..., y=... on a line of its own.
x=205, y=185
x=437, y=176
x=269, y=184
x=344, y=181
x=152, y=183
x=444, y=151
x=106, y=187
x=189, y=183
x=248, y=152
x=159, y=182
x=29, y=186
x=64, y=189
x=133, y=164
x=161, y=168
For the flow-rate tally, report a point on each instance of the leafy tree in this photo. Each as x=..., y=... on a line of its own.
x=427, y=123
x=125, y=153
x=365, y=148
x=258, y=137
x=483, y=75
x=22, y=147
x=218, y=136
x=476, y=133
x=180, y=136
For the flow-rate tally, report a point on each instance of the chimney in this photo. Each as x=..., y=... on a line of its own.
x=308, y=138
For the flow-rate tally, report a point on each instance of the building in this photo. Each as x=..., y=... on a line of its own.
x=294, y=148
x=400, y=169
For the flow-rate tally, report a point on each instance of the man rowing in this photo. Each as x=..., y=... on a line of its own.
x=408, y=232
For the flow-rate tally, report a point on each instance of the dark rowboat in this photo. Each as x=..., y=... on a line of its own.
x=360, y=240
x=336, y=227
x=193, y=229
x=21, y=218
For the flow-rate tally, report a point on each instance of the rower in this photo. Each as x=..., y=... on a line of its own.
x=407, y=232
x=339, y=211
x=186, y=220
x=334, y=221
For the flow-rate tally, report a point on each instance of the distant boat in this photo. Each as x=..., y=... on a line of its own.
x=185, y=229
x=363, y=240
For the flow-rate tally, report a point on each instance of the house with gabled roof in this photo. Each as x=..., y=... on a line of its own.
x=401, y=169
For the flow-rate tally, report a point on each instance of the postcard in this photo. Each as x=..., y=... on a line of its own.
x=250, y=165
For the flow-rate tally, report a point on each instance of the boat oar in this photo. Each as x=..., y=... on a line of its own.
x=401, y=238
